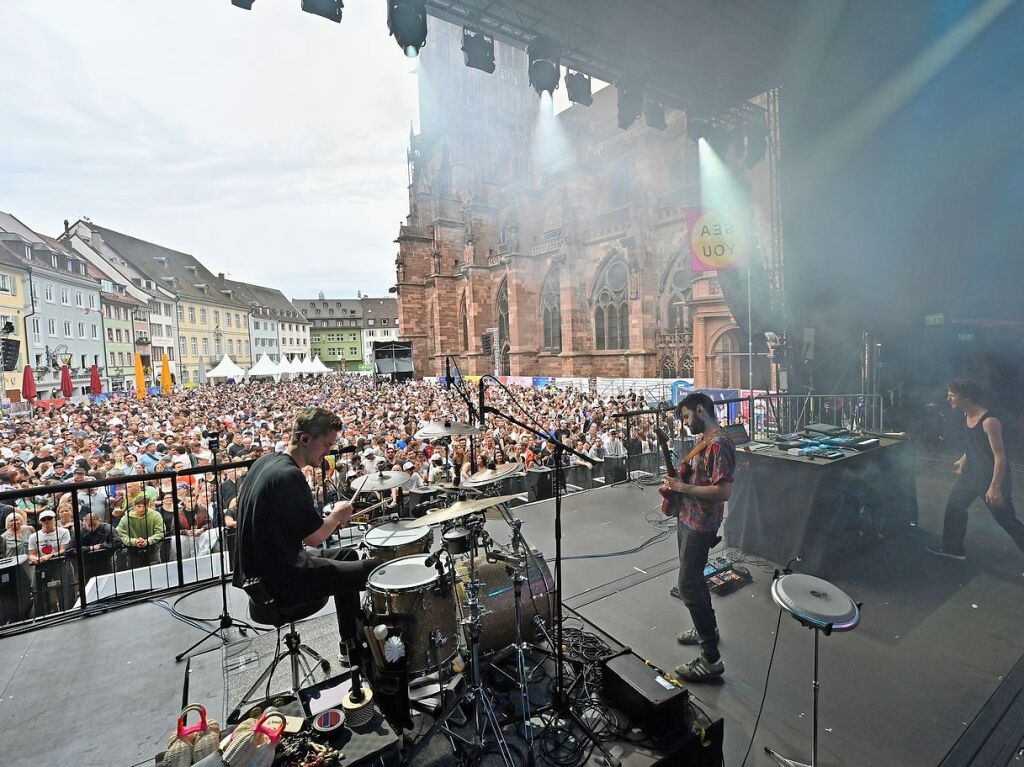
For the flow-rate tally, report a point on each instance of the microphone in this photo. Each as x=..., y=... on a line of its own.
x=448, y=380
x=432, y=559
x=481, y=415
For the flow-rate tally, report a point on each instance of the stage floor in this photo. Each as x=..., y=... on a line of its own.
x=935, y=640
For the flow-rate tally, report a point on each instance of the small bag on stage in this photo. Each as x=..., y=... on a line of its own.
x=191, y=743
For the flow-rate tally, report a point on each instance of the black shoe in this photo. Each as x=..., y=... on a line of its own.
x=691, y=637
x=941, y=552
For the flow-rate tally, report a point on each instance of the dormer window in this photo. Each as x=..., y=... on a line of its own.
x=55, y=261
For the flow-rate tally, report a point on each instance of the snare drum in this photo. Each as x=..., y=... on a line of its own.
x=497, y=596
x=407, y=595
x=392, y=540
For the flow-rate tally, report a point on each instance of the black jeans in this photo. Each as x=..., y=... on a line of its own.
x=693, y=556
x=954, y=527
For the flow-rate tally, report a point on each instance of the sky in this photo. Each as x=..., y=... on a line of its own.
x=270, y=144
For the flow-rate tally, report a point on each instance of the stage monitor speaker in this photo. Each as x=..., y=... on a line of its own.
x=9, y=348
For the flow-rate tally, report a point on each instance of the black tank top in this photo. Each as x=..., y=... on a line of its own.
x=980, y=460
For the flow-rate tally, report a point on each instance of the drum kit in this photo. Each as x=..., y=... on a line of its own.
x=463, y=598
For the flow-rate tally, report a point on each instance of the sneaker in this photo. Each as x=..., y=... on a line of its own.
x=700, y=669
x=691, y=636
x=941, y=552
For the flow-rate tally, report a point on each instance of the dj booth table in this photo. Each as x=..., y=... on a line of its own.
x=783, y=506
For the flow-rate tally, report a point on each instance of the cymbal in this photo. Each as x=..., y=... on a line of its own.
x=461, y=509
x=384, y=480
x=487, y=476
x=439, y=429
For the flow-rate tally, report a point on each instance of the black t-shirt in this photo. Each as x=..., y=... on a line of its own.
x=275, y=513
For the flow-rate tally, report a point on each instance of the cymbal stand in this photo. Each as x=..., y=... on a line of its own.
x=484, y=717
x=561, y=708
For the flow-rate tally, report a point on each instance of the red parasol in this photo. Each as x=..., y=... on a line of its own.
x=94, y=380
x=65, y=381
x=28, y=384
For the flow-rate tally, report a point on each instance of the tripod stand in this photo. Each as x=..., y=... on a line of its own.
x=224, y=621
x=484, y=716
x=561, y=705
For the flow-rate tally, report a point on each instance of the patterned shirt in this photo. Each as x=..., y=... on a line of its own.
x=712, y=466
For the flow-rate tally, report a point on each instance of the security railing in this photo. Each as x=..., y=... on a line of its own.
x=787, y=413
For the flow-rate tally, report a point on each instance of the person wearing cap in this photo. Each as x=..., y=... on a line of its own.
x=277, y=519
x=438, y=471
x=613, y=446
x=49, y=541
x=409, y=485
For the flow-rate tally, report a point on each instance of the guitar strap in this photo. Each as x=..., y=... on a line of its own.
x=700, y=447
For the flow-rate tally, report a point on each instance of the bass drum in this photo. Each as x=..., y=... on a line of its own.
x=497, y=596
x=410, y=599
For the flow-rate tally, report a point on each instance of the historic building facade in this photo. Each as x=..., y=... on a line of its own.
x=521, y=261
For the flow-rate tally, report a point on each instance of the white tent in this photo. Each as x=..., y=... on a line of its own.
x=320, y=366
x=295, y=367
x=307, y=366
x=226, y=369
x=264, y=367
x=283, y=368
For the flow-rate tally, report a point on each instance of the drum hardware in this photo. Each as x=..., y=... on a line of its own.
x=561, y=708
x=823, y=608
x=484, y=716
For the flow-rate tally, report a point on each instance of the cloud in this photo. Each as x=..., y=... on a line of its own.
x=245, y=138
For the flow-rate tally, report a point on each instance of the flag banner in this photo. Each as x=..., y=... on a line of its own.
x=718, y=240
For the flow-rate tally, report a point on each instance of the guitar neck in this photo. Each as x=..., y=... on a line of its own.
x=670, y=468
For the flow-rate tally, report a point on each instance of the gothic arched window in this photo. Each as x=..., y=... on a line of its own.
x=611, y=308
x=465, y=327
x=501, y=304
x=551, y=313
x=680, y=297
x=727, y=361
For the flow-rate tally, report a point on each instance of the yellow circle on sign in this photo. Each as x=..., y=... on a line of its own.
x=718, y=241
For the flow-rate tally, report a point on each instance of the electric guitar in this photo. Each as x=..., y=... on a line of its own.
x=671, y=500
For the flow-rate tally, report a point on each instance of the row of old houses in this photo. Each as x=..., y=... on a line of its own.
x=96, y=296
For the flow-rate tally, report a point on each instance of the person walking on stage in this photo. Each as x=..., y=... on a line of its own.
x=982, y=471
x=701, y=500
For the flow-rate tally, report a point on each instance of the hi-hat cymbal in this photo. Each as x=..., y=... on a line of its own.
x=487, y=476
x=461, y=509
x=383, y=480
x=439, y=429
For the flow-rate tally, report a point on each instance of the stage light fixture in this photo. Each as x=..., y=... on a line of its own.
x=654, y=114
x=696, y=129
x=328, y=9
x=478, y=51
x=630, y=101
x=247, y=4
x=752, y=143
x=545, y=55
x=407, y=22
x=578, y=86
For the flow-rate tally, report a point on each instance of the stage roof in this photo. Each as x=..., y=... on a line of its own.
x=708, y=56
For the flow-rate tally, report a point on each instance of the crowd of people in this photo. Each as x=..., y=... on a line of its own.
x=126, y=440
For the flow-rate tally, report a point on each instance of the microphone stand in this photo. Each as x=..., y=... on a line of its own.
x=225, y=621
x=561, y=707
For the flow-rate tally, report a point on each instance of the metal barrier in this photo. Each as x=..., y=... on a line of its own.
x=71, y=547
x=122, y=539
x=786, y=413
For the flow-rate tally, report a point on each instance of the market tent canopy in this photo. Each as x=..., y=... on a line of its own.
x=264, y=367
x=226, y=369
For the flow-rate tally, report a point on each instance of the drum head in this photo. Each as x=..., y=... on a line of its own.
x=815, y=602
x=402, y=574
x=394, y=534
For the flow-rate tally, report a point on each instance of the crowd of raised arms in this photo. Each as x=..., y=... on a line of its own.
x=121, y=437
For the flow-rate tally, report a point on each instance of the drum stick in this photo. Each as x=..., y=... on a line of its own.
x=376, y=647
x=368, y=509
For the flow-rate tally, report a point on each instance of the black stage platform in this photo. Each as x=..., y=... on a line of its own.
x=936, y=640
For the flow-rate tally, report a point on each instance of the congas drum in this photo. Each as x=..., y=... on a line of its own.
x=392, y=540
x=408, y=596
x=816, y=603
x=497, y=596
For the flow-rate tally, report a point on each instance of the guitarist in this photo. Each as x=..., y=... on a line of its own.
x=701, y=495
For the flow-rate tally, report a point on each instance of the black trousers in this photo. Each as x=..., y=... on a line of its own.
x=339, y=573
x=954, y=527
x=693, y=556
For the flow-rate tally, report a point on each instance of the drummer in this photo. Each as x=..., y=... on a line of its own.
x=276, y=516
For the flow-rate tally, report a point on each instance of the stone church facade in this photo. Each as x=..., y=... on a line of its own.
x=517, y=259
